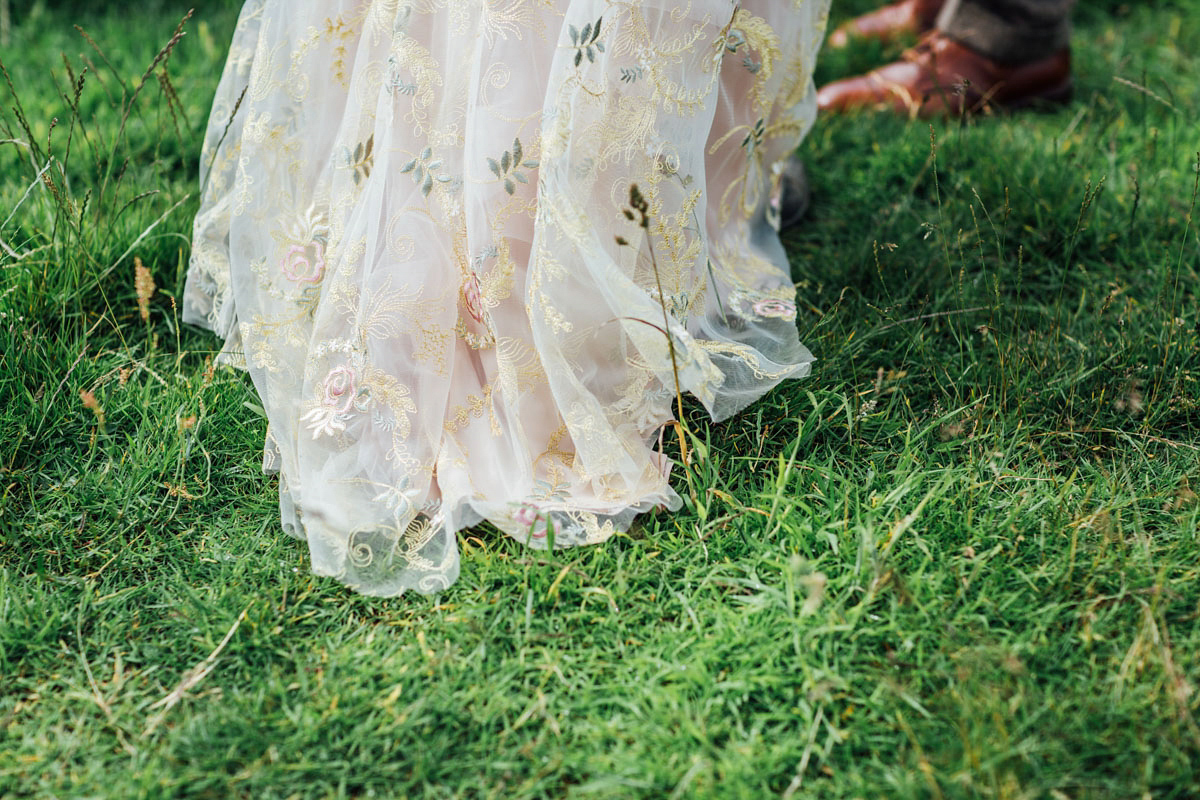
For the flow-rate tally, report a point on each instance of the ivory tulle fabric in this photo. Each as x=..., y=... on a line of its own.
x=413, y=236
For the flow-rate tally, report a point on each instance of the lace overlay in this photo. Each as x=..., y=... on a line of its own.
x=412, y=236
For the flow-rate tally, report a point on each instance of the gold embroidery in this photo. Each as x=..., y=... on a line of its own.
x=410, y=223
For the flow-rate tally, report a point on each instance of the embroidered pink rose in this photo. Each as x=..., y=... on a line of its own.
x=339, y=389
x=778, y=309
x=473, y=297
x=304, y=263
x=526, y=515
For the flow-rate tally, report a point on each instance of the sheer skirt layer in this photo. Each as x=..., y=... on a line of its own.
x=413, y=235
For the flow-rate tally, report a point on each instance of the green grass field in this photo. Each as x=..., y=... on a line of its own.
x=960, y=560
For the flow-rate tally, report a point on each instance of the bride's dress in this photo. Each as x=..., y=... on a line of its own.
x=413, y=235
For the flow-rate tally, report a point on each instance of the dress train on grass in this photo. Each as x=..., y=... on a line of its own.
x=416, y=234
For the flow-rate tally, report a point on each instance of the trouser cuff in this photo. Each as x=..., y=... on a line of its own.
x=977, y=25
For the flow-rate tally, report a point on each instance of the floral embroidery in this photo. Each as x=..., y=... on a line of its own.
x=779, y=309
x=338, y=397
x=466, y=334
x=536, y=525
x=764, y=304
x=542, y=528
x=304, y=263
x=473, y=297
x=526, y=515
x=303, y=241
x=339, y=389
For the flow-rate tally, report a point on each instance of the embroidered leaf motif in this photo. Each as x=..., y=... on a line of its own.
x=425, y=172
x=755, y=137
x=509, y=167
x=586, y=41
x=362, y=159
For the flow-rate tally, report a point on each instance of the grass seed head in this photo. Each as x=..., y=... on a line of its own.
x=88, y=398
x=145, y=287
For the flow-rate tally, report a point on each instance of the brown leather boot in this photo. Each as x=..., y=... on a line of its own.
x=912, y=17
x=941, y=76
